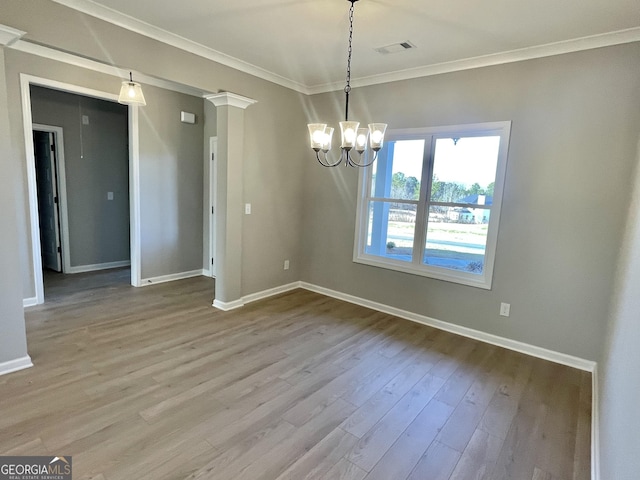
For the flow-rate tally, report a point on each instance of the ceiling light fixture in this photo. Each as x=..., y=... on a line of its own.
x=131, y=93
x=353, y=137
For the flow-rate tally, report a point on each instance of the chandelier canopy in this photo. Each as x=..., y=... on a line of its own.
x=351, y=135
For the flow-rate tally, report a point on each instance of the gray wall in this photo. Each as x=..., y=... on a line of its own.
x=171, y=188
x=96, y=162
x=573, y=139
x=619, y=379
x=13, y=344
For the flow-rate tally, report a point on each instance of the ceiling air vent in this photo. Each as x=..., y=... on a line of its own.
x=395, y=48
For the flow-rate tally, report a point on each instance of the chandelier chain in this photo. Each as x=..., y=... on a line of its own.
x=350, y=49
x=347, y=87
x=353, y=139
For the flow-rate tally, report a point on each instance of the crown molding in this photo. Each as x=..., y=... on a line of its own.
x=529, y=53
x=8, y=35
x=232, y=99
x=121, y=73
x=143, y=28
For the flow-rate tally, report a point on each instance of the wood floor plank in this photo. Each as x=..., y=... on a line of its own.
x=503, y=407
x=374, y=444
x=436, y=464
x=285, y=454
x=321, y=458
x=402, y=457
x=479, y=457
x=155, y=384
x=557, y=451
x=363, y=419
x=233, y=459
x=462, y=423
x=345, y=470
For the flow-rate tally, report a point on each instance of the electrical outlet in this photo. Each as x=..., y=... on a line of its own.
x=505, y=309
x=286, y=264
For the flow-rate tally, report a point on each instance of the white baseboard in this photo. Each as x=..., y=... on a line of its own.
x=510, y=344
x=29, y=302
x=595, y=426
x=254, y=297
x=15, y=365
x=98, y=266
x=226, y=306
x=170, y=278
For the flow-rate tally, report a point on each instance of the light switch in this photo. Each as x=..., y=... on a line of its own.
x=109, y=195
x=247, y=209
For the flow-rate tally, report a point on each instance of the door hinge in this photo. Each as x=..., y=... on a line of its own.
x=211, y=260
x=55, y=199
x=212, y=157
x=212, y=210
x=53, y=147
x=59, y=250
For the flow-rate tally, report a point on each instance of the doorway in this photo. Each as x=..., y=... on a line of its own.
x=40, y=243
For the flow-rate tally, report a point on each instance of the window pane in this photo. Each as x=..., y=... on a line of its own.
x=464, y=171
x=457, y=238
x=391, y=229
x=398, y=170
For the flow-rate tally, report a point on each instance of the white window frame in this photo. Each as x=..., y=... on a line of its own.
x=416, y=267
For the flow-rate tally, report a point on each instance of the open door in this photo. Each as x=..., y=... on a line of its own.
x=46, y=179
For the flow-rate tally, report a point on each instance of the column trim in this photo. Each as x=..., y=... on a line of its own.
x=232, y=99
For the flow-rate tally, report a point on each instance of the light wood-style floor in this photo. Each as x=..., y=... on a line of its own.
x=153, y=383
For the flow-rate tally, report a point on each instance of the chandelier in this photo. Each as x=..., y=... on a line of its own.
x=352, y=136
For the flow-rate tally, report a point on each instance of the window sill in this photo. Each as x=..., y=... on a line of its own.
x=454, y=276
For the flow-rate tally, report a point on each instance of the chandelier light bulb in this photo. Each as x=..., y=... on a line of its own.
x=377, y=135
x=349, y=130
x=349, y=134
x=319, y=137
x=316, y=135
x=326, y=140
x=361, y=140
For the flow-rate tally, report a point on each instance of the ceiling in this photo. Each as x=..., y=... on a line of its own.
x=302, y=44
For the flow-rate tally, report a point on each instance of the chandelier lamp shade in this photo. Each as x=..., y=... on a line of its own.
x=352, y=137
x=131, y=93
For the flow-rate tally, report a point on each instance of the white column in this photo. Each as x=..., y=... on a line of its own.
x=229, y=197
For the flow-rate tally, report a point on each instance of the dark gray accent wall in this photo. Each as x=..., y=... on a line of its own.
x=96, y=156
